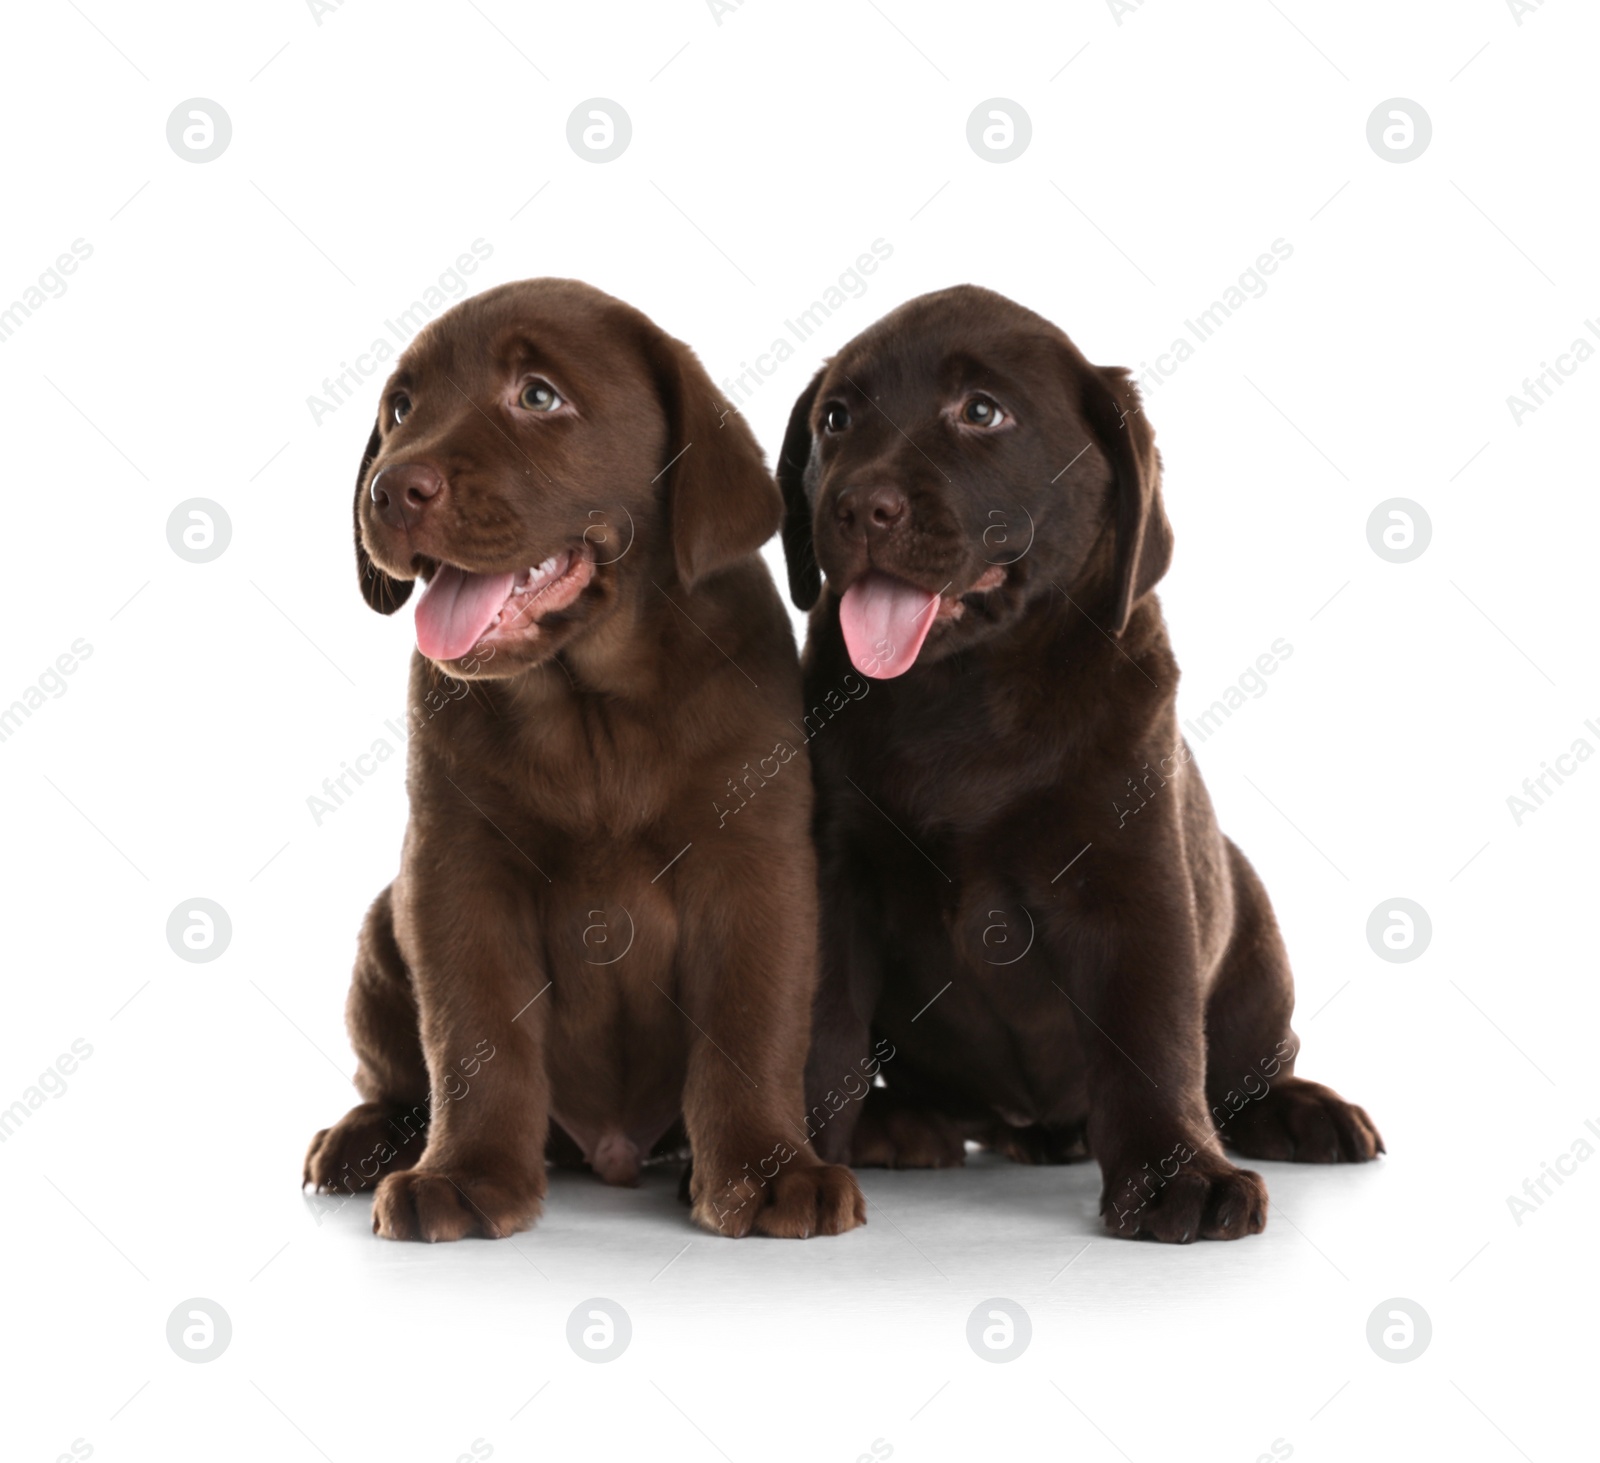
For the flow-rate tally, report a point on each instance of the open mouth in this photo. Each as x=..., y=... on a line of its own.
x=459, y=609
x=885, y=620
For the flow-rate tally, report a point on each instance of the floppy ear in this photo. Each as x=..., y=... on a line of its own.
x=384, y=594
x=794, y=464
x=1144, y=536
x=721, y=504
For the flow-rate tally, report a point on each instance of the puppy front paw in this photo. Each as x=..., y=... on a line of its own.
x=1187, y=1195
x=437, y=1204
x=818, y=1198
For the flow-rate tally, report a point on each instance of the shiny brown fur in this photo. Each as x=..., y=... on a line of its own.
x=1024, y=888
x=585, y=951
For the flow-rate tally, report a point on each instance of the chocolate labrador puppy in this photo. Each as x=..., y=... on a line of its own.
x=1024, y=888
x=581, y=947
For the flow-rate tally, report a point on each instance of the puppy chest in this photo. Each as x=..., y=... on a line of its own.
x=611, y=1008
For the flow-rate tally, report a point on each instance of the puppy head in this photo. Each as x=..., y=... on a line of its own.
x=542, y=453
x=955, y=464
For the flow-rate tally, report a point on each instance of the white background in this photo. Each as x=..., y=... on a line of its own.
x=768, y=151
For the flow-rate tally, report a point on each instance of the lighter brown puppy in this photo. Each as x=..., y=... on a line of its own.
x=585, y=951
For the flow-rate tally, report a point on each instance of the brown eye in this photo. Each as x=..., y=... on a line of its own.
x=982, y=412
x=837, y=417
x=539, y=396
x=400, y=406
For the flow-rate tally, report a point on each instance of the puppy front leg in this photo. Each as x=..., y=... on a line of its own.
x=468, y=940
x=849, y=982
x=1138, y=1011
x=754, y=1166
x=754, y=1170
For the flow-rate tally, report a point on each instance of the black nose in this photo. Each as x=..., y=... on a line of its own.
x=869, y=511
x=402, y=492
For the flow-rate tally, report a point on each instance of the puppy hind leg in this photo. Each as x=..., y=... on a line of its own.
x=1260, y=1108
x=387, y=1131
x=1038, y=1143
x=900, y=1130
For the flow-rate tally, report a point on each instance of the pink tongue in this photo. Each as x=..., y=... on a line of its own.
x=885, y=620
x=455, y=610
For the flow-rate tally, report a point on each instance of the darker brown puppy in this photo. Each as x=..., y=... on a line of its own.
x=1024, y=889
x=581, y=945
